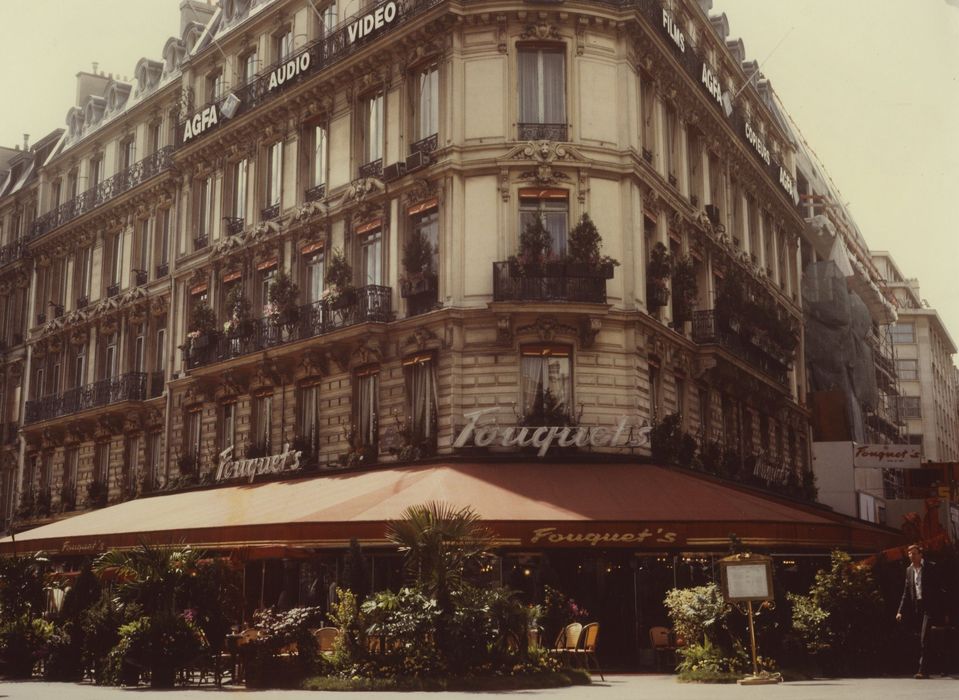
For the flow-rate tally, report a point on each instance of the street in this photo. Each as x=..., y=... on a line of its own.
x=616, y=687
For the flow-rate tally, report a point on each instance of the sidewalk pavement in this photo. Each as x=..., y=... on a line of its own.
x=616, y=687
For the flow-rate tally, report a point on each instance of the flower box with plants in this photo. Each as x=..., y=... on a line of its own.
x=340, y=292
x=658, y=272
x=418, y=276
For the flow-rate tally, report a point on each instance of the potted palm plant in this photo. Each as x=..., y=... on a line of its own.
x=658, y=270
x=202, y=326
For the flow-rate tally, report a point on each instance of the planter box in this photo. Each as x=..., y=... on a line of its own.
x=424, y=284
x=657, y=295
x=590, y=270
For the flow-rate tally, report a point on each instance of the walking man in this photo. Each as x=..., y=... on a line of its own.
x=921, y=604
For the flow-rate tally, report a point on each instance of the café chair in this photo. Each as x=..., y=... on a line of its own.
x=566, y=642
x=586, y=647
x=663, y=645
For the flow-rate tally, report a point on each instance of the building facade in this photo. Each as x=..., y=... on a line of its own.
x=278, y=140
x=924, y=360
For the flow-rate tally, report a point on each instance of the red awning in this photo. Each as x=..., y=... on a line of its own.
x=526, y=504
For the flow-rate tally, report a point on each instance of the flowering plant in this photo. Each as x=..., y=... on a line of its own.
x=193, y=335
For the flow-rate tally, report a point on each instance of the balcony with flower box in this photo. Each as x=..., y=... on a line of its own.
x=370, y=304
x=559, y=281
x=745, y=340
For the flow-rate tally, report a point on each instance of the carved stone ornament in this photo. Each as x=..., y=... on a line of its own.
x=313, y=364
x=364, y=188
x=546, y=155
x=367, y=352
x=196, y=393
x=106, y=427
x=108, y=325
x=421, y=339
x=138, y=313
x=232, y=383
x=541, y=32
x=547, y=328
x=132, y=422
x=55, y=344
x=159, y=305
x=421, y=190
x=267, y=374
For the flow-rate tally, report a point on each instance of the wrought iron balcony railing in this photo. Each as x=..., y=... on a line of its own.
x=234, y=225
x=710, y=328
x=543, y=132
x=123, y=181
x=163, y=269
x=201, y=241
x=269, y=213
x=113, y=290
x=128, y=387
x=372, y=169
x=549, y=282
x=12, y=252
x=364, y=304
x=140, y=277
x=425, y=146
x=315, y=193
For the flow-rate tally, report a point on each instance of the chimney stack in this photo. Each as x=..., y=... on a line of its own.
x=95, y=66
x=26, y=142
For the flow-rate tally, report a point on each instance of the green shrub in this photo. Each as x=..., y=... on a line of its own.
x=841, y=618
x=285, y=652
x=697, y=613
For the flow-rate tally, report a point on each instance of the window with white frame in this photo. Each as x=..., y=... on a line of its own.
x=143, y=247
x=371, y=257
x=542, y=85
x=308, y=414
x=427, y=102
x=101, y=462
x=366, y=382
x=274, y=174
x=903, y=333
x=193, y=432
x=240, y=170
x=248, y=63
x=228, y=423
x=214, y=86
x=318, y=156
x=116, y=257
x=163, y=243
x=551, y=206
x=204, y=212
x=262, y=423
x=110, y=357
x=283, y=46
x=373, y=128
x=315, y=276
x=330, y=18
x=907, y=369
x=421, y=398
x=910, y=407
x=546, y=382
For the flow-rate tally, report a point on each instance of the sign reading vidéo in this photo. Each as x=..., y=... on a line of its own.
x=382, y=16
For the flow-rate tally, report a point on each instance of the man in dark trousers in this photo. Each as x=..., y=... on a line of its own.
x=921, y=604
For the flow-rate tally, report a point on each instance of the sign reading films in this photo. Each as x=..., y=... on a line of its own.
x=887, y=456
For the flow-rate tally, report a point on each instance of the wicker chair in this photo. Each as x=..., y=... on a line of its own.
x=586, y=647
x=567, y=641
x=663, y=645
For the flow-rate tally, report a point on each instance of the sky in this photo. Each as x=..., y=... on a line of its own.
x=872, y=84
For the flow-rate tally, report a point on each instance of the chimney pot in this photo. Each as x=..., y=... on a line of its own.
x=95, y=66
x=26, y=142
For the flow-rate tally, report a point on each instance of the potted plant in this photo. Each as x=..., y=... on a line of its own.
x=685, y=290
x=418, y=277
x=97, y=492
x=240, y=323
x=340, y=292
x=282, y=299
x=658, y=270
x=202, y=326
x=535, y=250
x=583, y=246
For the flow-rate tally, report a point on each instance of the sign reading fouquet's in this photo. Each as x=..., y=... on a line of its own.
x=553, y=535
x=887, y=456
x=623, y=435
x=286, y=461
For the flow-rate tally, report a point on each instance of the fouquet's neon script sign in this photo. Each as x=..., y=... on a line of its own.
x=286, y=461
x=623, y=435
